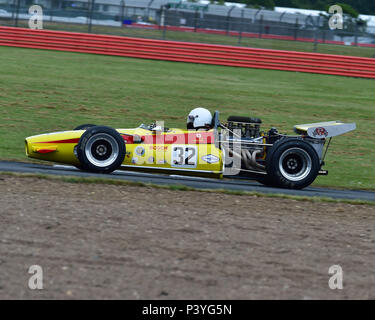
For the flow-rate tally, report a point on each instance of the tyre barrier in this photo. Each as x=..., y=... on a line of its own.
x=189, y=52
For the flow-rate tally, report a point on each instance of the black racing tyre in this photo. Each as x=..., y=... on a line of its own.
x=84, y=126
x=101, y=149
x=263, y=179
x=291, y=163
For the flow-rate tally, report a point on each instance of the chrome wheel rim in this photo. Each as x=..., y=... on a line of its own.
x=295, y=164
x=102, y=150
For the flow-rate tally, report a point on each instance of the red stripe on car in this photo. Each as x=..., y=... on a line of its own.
x=199, y=137
x=62, y=141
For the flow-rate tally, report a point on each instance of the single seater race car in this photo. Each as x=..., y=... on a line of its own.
x=207, y=147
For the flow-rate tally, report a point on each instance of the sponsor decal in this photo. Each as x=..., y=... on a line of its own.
x=128, y=154
x=151, y=159
x=199, y=138
x=180, y=138
x=134, y=160
x=159, y=148
x=210, y=158
x=162, y=161
x=139, y=151
x=320, y=132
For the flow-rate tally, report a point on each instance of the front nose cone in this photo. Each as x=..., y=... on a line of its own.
x=26, y=147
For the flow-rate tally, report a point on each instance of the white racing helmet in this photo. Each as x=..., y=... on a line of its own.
x=199, y=118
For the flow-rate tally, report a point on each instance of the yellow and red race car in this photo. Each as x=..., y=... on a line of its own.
x=236, y=147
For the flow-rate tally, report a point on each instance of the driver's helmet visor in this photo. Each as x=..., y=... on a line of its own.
x=190, y=119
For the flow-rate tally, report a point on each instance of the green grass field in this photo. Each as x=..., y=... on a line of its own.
x=44, y=91
x=212, y=39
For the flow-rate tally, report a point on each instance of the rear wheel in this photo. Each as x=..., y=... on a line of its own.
x=292, y=163
x=101, y=149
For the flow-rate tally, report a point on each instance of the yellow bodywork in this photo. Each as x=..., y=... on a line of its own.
x=146, y=150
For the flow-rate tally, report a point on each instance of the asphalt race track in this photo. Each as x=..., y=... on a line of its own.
x=194, y=182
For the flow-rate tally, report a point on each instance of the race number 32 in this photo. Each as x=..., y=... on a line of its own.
x=184, y=156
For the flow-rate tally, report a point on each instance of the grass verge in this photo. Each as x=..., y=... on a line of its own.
x=44, y=91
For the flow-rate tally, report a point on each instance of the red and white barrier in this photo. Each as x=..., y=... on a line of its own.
x=188, y=52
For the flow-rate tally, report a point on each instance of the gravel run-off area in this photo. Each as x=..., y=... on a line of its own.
x=101, y=241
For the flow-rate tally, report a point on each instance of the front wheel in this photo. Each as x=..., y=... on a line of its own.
x=101, y=149
x=292, y=163
x=84, y=126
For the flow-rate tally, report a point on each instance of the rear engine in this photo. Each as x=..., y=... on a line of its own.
x=245, y=132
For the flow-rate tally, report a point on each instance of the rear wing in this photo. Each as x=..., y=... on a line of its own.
x=322, y=130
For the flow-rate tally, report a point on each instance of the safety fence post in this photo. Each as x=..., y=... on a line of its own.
x=317, y=27
x=316, y=40
x=162, y=20
x=148, y=9
x=228, y=20
x=296, y=26
x=17, y=13
x=241, y=27
x=196, y=20
x=261, y=26
x=91, y=8
x=122, y=12
x=13, y=11
x=356, y=35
